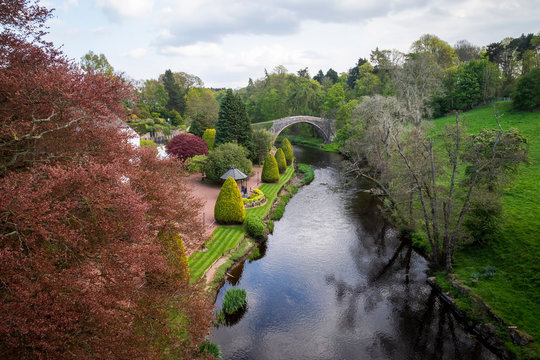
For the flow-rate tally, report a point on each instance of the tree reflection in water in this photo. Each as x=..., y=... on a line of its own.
x=429, y=325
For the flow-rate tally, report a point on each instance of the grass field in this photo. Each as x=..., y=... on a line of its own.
x=514, y=292
x=227, y=237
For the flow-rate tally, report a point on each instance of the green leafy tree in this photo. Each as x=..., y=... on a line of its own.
x=335, y=97
x=223, y=157
x=154, y=96
x=201, y=103
x=209, y=136
x=229, y=208
x=367, y=82
x=443, y=54
x=96, y=63
x=233, y=123
x=281, y=161
x=287, y=150
x=527, y=94
x=270, y=171
x=262, y=143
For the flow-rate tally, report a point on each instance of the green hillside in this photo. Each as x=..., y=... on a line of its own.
x=514, y=292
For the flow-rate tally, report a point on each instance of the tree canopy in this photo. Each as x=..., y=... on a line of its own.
x=233, y=123
x=93, y=229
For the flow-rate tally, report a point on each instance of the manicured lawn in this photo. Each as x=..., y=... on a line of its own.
x=514, y=292
x=227, y=237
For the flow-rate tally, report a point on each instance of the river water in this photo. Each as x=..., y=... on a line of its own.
x=334, y=282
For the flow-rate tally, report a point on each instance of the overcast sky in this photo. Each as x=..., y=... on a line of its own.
x=225, y=42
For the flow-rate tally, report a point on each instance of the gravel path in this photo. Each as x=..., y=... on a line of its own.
x=209, y=193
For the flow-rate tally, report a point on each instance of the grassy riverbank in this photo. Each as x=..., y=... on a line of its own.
x=513, y=290
x=227, y=237
x=308, y=141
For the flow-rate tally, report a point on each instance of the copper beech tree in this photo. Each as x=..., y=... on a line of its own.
x=91, y=228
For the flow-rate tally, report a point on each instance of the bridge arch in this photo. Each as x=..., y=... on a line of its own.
x=327, y=127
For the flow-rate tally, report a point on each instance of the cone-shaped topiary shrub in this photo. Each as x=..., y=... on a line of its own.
x=287, y=150
x=270, y=171
x=229, y=208
x=281, y=162
x=210, y=137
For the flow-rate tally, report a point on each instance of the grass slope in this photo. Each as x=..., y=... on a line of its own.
x=227, y=237
x=514, y=292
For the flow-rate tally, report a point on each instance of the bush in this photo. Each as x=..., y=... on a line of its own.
x=255, y=227
x=209, y=136
x=255, y=254
x=483, y=221
x=234, y=300
x=308, y=173
x=223, y=157
x=270, y=225
x=229, y=208
x=280, y=207
x=196, y=163
x=527, y=94
x=209, y=348
x=281, y=162
x=147, y=143
x=287, y=150
x=184, y=146
x=270, y=172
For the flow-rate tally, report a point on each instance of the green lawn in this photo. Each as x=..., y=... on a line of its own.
x=227, y=237
x=514, y=292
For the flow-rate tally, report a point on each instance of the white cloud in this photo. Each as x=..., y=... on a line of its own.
x=118, y=10
x=136, y=53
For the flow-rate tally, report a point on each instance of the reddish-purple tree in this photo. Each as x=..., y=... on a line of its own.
x=184, y=146
x=87, y=260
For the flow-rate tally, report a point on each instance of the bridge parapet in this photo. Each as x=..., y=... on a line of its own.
x=327, y=127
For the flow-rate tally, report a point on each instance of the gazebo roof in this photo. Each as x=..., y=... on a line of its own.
x=234, y=173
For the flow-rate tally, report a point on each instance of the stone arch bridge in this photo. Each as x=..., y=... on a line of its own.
x=326, y=127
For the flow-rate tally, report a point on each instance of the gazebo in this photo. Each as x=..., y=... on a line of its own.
x=237, y=175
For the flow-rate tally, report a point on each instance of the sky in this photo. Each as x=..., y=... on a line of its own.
x=226, y=42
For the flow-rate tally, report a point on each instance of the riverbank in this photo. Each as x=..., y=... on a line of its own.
x=504, y=273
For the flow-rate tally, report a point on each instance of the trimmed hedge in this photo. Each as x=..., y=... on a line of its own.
x=256, y=196
x=287, y=150
x=270, y=171
x=255, y=226
x=281, y=162
x=229, y=208
x=209, y=136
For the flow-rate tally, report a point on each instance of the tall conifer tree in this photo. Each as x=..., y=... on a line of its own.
x=176, y=97
x=233, y=123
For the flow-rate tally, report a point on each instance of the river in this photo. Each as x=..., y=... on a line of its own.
x=334, y=282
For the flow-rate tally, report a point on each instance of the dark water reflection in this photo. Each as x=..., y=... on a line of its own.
x=335, y=283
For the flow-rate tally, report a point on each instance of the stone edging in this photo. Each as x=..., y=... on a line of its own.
x=485, y=332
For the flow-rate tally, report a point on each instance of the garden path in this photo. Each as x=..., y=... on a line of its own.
x=208, y=193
